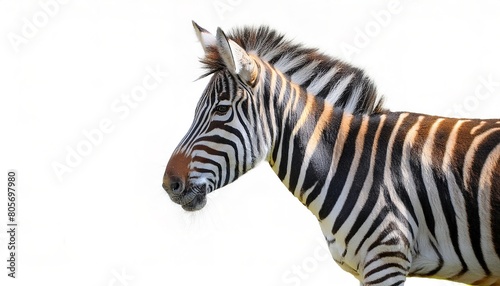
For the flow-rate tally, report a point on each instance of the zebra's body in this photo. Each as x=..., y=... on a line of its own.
x=396, y=194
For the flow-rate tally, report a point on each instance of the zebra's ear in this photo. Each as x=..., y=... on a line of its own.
x=205, y=37
x=236, y=58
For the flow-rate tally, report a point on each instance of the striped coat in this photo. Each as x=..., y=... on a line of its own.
x=396, y=194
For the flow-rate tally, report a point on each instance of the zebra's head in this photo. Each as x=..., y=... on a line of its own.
x=222, y=142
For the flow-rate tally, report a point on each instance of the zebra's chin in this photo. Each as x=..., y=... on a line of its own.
x=192, y=199
x=197, y=203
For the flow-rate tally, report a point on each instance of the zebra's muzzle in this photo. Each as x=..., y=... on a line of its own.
x=191, y=198
x=197, y=201
x=176, y=183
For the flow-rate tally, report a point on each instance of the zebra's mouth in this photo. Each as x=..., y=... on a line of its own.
x=197, y=203
x=192, y=199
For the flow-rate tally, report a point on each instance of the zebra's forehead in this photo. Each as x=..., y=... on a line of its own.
x=222, y=86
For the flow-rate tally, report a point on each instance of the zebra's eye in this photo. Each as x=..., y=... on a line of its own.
x=221, y=109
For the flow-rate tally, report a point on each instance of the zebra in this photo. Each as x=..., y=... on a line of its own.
x=396, y=194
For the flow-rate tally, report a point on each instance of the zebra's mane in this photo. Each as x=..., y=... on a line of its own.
x=339, y=83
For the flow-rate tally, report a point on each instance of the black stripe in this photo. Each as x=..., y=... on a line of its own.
x=301, y=140
x=384, y=254
x=359, y=177
x=396, y=169
x=200, y=122
x=375, y=224
x=234, y=147
x=240, y=136
x=495, y=207
x=285, y=145
x=457, y=163
x=205, y=160
x=398, y=214
x=287, y=133
x=367, y=99
x=441, y=138
x=204, y=170
x=328, y=140
x=472, y=206
x=280, y=114
x=386, y=277
x=348, y=91
x=330, y=86
x=320, y=161
x=378, y=175
x=342, y=170
x=384, y=267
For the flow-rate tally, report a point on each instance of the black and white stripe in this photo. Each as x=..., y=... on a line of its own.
x=396, y=194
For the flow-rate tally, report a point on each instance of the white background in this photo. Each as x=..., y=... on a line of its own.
x=106, y=220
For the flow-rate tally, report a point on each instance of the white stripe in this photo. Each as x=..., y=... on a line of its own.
x=319, y=83
x=484, y=198
x=303, y=74
x=338, y=89
x=354, y=99
x=286, y=63
x=316, y=205
x=473, y=130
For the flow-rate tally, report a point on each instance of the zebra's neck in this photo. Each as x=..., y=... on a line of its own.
x=309, y=135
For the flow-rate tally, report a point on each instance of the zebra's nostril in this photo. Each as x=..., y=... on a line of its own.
x=175, y=185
